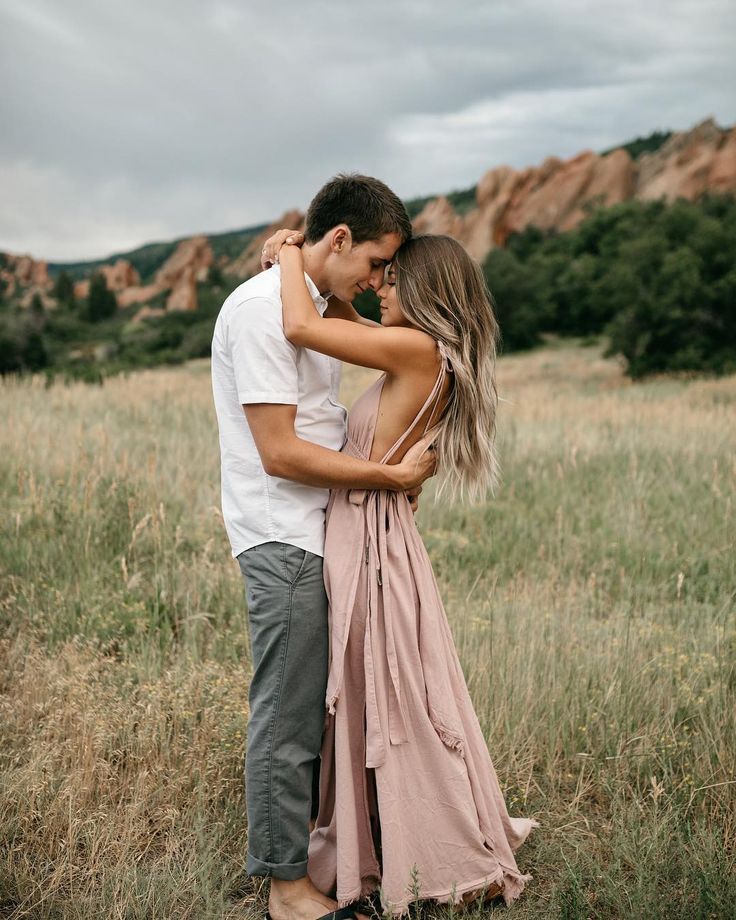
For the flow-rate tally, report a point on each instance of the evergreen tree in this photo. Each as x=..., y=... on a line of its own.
x=214, y=276
x=657, y=279
x=518, y=299
x=11, y=347
x=36, y=307
x=101, y=303
x=64, y=289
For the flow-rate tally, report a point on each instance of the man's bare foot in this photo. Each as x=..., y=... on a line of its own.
x=298, y=900
x=493, y=891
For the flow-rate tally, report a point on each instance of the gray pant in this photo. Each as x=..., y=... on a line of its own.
x=287, y=612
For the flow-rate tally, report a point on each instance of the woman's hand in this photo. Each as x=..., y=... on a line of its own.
x=270, y=251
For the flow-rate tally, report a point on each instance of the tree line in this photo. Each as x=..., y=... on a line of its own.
x=657, y=281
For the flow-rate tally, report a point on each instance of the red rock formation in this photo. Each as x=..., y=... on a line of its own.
x=249, y=262
x=183, y=295
x=47, y=301
x=689, y=164
x=120, y=276
x=438, y=216
x=482, y=226
x=81, y=289
x=20, y=271
x=191, y=257
x=188, y=264
x=559, y=194
x=722, y=173
x=138, y=294
x=30, y=271
x=146, y=312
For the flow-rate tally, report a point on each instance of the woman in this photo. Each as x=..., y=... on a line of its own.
x=409, y=800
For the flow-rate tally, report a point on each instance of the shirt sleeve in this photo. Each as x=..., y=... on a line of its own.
x=264, y=361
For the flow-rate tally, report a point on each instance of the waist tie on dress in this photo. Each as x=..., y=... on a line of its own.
x=375, y=509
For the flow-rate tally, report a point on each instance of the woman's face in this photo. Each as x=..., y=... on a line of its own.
x=391, y=314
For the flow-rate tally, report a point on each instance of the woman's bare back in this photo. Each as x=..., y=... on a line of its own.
x=402, y=396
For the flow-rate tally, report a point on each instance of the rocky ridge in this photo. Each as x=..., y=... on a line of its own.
x=556, y=195
x=22, y=271
x=559, y=194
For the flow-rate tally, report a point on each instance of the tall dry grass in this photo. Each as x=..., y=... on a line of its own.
x=592, y=602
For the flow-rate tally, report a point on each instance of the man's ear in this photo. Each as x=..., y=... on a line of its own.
x=341, y=238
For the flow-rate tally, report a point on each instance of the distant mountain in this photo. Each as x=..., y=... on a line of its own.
x=553, y=197
x=558, y=194
x=649, y=144
x=147, y=259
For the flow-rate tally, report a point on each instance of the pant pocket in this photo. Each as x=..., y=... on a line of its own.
x=294, y=560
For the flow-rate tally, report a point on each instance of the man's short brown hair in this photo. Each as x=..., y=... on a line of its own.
x=366, y=205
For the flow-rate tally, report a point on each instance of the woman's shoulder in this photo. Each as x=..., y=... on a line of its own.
x=420, y=353
x=415, y=339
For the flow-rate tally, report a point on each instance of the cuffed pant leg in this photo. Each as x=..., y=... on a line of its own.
x=287, y=614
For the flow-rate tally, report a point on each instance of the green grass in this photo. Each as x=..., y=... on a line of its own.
x=592, y=603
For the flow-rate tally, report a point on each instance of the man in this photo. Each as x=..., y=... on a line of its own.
x=281, y=429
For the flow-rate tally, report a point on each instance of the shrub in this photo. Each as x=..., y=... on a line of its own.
x=22, y=347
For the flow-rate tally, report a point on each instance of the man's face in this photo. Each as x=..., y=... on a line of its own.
x=353, y=268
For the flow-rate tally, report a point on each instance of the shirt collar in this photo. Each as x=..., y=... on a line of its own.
x=320, y=302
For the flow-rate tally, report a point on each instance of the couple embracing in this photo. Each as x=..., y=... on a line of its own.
x=366, y=767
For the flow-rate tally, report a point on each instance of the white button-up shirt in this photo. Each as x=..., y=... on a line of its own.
x=252, y=362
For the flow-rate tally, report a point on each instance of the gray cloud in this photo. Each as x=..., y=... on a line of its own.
x=130, y=122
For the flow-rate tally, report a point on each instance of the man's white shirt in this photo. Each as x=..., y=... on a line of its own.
x=252, y=362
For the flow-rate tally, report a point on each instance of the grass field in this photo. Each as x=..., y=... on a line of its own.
x=592, y=602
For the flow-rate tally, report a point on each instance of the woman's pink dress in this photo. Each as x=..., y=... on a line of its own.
x=409, y=799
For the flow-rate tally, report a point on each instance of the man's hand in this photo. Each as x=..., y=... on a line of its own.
x=419, y=463
x=270, y=251
x=413, y=497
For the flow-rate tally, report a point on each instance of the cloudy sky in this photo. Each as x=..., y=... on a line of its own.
x=124, y=123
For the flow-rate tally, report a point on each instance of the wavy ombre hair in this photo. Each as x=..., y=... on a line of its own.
x=442, y=291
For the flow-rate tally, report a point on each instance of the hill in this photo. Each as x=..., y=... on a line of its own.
x=149, y=258
x=554, y=264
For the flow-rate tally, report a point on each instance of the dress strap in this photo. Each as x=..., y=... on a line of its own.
x=445, y=356
x=445, y=367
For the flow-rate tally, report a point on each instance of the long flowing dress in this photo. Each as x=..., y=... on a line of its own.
x=409, y=800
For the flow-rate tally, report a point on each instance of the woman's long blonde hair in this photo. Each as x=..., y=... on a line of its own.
x=442, y=291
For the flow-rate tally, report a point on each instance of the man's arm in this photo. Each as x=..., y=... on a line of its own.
x=266, y=379
x=288, y=456
x=338, y=309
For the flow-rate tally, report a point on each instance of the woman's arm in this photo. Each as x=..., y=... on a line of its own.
x=336, y=309
x=393, y=349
